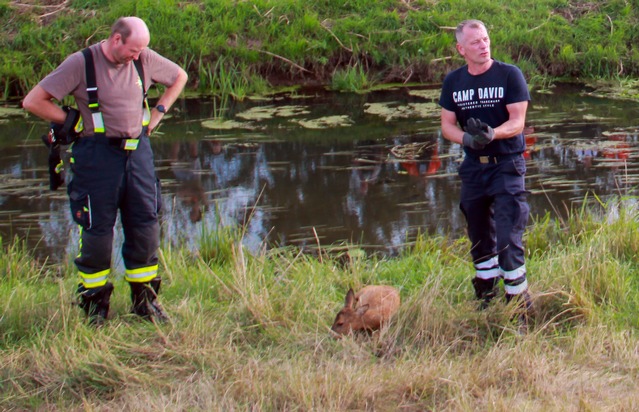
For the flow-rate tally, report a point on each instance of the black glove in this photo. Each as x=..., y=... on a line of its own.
x=61, y=134
x=481, y=132
x=65, y=133
x=470, y=141
x=56, y=175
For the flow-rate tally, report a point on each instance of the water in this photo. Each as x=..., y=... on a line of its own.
x=286, y=180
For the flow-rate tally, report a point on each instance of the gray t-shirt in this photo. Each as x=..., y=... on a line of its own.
x=119, y=88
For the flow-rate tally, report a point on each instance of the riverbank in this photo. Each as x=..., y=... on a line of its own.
x=236, y=49
x=251, y=332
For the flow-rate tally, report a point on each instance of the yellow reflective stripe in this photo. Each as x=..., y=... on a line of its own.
x=146, y=116
x=79, y=241
x=98, y=123
x=131, y=144
x=141, y=275
x=94, y=280
x=79, y=126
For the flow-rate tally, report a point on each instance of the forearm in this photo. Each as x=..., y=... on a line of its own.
x=452, y=132
x=515, y=123
x=39, y=103
x=172, y=92
x=509, y=129
x=167, y=99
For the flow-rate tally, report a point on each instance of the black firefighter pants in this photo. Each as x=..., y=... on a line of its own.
x=493, y=200
x=106, y=178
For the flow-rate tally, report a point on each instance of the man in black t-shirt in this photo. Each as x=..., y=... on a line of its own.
x=484, y=107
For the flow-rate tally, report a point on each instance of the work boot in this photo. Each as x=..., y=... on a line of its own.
x=95, y=302
x=522, y=311
x=485, y=290
x=145, y=303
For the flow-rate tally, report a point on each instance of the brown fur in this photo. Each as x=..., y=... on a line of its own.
x=367, y=310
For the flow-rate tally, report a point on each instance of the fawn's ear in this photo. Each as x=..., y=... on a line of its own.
x=361, y=310
x=350, y=298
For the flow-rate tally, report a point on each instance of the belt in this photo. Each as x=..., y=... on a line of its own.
x=495, y=159
x=125, y=143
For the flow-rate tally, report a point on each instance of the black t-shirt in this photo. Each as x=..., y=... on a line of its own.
x=485, y=97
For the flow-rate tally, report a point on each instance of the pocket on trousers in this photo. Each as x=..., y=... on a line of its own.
x=518, y=166
x=158, y=195
x=81, y=209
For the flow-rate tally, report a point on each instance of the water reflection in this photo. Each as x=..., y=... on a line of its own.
x=380, y=177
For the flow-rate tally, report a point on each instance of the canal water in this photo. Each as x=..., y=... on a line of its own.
x=320, y=169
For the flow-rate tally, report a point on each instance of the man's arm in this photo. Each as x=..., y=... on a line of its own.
x=171, y=93
x=515, y=123
x=450, y=128
x=39, y=102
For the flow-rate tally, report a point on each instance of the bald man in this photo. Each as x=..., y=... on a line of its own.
x=112, y=161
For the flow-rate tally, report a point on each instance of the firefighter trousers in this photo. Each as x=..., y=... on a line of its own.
x=493, y=200
x=106, y=179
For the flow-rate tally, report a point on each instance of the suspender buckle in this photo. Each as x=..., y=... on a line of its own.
x=130, y=144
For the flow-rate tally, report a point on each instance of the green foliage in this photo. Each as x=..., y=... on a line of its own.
x=351, y=79
x=554, y=39
x=257, y=326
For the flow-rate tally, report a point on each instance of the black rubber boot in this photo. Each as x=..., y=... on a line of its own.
x=95, y=302
x=485, y=290
x=145, y=303
x=523, y=310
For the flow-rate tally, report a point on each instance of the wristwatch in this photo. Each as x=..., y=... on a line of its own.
x=161, y=108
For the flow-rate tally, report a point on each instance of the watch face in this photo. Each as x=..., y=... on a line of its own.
x=160, y=108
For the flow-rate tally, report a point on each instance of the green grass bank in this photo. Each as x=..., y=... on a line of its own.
x=251, y=331
x=237, y=48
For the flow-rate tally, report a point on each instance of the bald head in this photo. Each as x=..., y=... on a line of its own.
x=131, y=27
x=129, y=37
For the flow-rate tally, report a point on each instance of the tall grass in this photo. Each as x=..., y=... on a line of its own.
x=267, y=43
x=250, y=331
x=351, y=79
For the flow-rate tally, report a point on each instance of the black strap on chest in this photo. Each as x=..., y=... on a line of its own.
x=92, y=86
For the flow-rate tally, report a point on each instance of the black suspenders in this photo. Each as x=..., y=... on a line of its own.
x=92, y=90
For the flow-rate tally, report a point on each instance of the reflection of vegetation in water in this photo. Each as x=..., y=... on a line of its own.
x=391, y=111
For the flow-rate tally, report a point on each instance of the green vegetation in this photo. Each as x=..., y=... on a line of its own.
x=237, y=48
x=251, y=331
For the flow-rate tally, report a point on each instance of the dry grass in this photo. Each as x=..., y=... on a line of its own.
x=252, y=333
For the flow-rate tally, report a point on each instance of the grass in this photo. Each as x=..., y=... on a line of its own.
x=250, y=332
x=240, y=48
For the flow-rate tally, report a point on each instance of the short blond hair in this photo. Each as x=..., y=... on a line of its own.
x=473, y=24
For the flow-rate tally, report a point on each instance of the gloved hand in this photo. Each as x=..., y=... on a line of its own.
x=68, y=132
x=481, y=132
x=61, y=134
x=56, y=175
x=469, y=141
